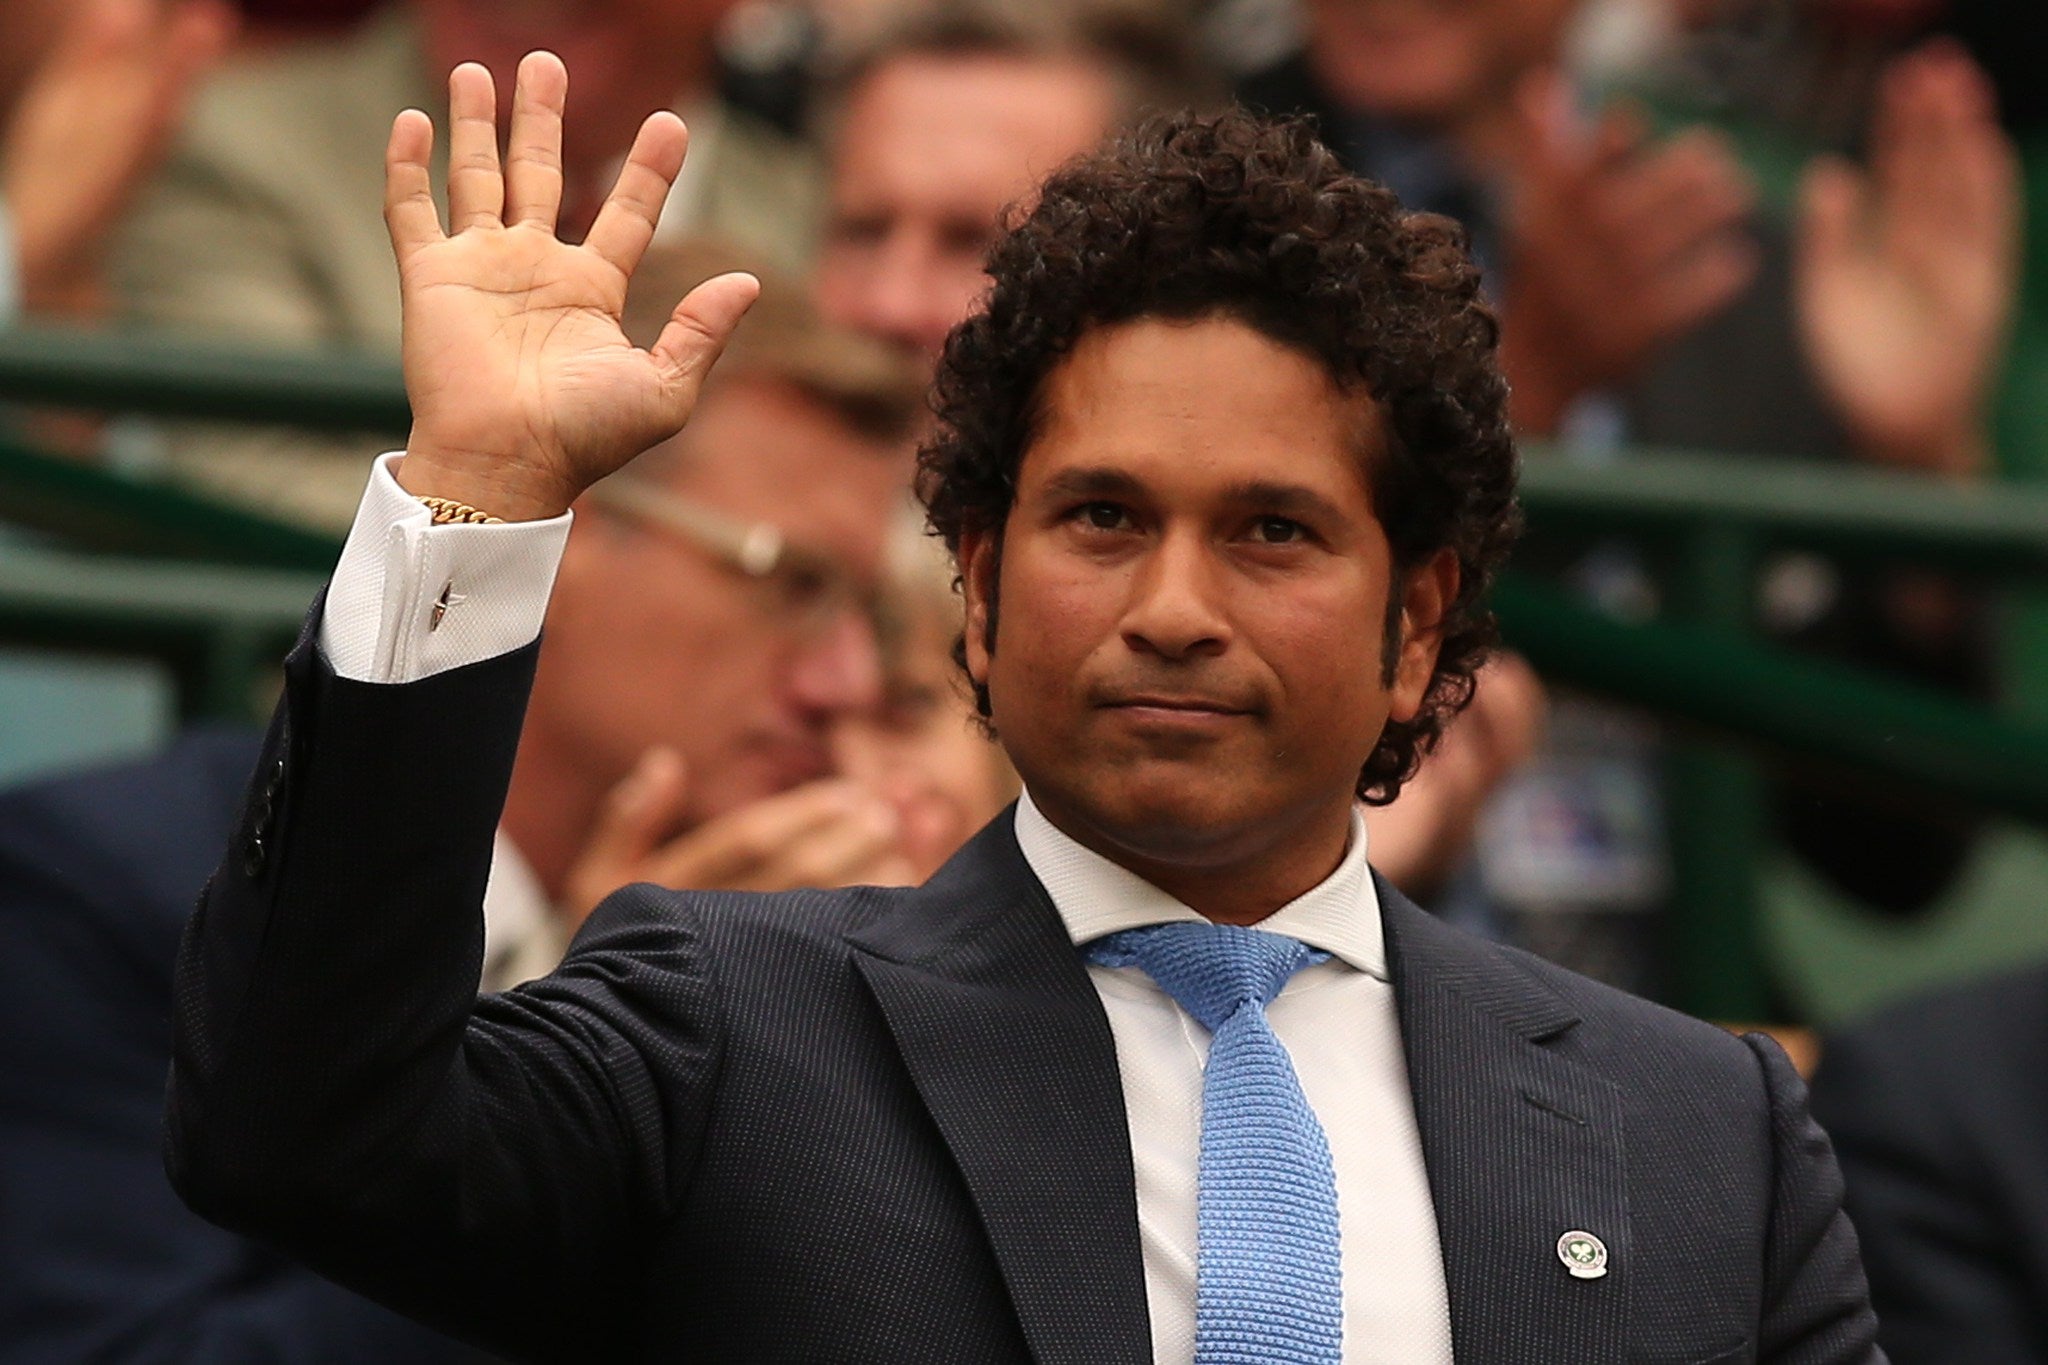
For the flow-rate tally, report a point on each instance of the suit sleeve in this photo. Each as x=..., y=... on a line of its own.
x=489, y=1167
x=1816, y=1308
x=1942, y=1269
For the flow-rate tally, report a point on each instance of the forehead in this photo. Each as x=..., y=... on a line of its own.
x=970, y=131
x=763, y=449
x=1203, y=404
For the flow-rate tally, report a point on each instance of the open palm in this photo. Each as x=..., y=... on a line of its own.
x=525, y=390
x=1907, y=272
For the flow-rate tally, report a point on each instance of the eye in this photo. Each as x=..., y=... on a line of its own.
x=1103, y=516
x=859, y=229
x=804, y=585
x=1278, y=531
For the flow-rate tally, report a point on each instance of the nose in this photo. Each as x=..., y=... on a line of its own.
x=907, y=302
x=1175, y=608
x=838, y=671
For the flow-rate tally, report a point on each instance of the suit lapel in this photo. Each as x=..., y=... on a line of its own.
x=1007, y=1043
x=1522, y=1145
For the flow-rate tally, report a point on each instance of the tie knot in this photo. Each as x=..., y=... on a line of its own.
x=1211, y=970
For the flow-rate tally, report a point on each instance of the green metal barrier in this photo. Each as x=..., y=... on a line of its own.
x=123, y=372
x=1700, y=666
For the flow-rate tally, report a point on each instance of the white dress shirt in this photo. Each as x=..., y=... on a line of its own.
x=410, y=599
x=1338, y=1022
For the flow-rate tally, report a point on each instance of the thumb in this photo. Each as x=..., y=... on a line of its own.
x=637, y=813
x=702, y=324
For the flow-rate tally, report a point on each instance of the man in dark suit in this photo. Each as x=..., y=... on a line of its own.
x=1228, y=446
x=1940, y=1107
x=98, y=1260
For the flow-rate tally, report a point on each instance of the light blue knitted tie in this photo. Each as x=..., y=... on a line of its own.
x=1268, y=1285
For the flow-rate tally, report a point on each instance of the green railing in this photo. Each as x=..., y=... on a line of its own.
x=213, y=589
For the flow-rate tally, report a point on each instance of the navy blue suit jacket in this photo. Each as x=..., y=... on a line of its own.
x=884, y=1125
x=98, y=1258
x=1940, y=1106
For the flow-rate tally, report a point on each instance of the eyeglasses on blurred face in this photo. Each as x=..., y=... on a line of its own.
x=805, y=591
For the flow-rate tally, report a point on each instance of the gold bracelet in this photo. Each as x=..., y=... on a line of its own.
x=449, y=510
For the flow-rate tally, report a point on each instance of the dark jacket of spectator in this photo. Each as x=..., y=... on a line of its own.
x=98, y=1258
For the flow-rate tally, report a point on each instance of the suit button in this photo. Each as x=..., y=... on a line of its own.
x=254, y=854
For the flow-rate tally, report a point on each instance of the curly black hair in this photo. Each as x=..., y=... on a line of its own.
x=1254, y=219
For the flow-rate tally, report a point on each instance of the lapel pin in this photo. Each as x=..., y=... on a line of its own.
x=1583, y=1254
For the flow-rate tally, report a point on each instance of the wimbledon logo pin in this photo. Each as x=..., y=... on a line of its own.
x=1583, y=1254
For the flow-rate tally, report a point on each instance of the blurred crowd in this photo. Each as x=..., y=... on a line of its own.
x=1778, y=228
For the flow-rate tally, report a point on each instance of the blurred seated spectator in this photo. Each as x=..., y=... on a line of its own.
x=98, y=1258
x=706, y=635
x=90, y=95
x=264, y=227
x=945, y=115
x=924, y=749
x=1939, y=1112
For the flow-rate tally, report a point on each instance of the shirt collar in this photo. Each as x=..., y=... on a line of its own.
x=1094, y=896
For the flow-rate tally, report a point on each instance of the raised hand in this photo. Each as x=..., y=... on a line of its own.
x=824, y=834
x=1615, y=246
x=524, y=389
x=1907, y=272
x=91, y=126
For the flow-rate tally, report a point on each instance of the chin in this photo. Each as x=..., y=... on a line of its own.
x=1170, y=818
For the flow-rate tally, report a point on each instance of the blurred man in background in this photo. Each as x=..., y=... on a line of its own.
x=712, y=624
x=950, y=114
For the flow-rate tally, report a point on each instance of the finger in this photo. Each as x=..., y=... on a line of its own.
x=1621, y=134
x=409, y=210
x=533, y=161
x=625, y=225
x=831, y=854
x=639, y=810
x=1710, y=280
x=730, y=851
x=1696, y=175
x=476, y=187
x=1545, y=133
x=700, y=327
x=198, y=33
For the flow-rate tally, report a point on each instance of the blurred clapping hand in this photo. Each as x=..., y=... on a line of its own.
x=88, y=128
x=1421, y=839
x=827, y=833
x=1616, y=245
x=1908, y=268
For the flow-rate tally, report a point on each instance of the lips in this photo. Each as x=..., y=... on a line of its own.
x=1191, y=705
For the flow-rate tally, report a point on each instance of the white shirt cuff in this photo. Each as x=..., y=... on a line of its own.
x=410, y=599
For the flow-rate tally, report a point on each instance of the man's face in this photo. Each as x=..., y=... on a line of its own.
x=1434, y=63
x=653, y=640
x=1188, y=668
x=931, y=151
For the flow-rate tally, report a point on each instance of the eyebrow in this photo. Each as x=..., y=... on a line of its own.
x=1279, y=499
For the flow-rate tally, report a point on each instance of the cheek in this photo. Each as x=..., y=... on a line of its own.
x=1052, y=613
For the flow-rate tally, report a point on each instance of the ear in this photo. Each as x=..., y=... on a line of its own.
x=1426, y=594
x=977, y=588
